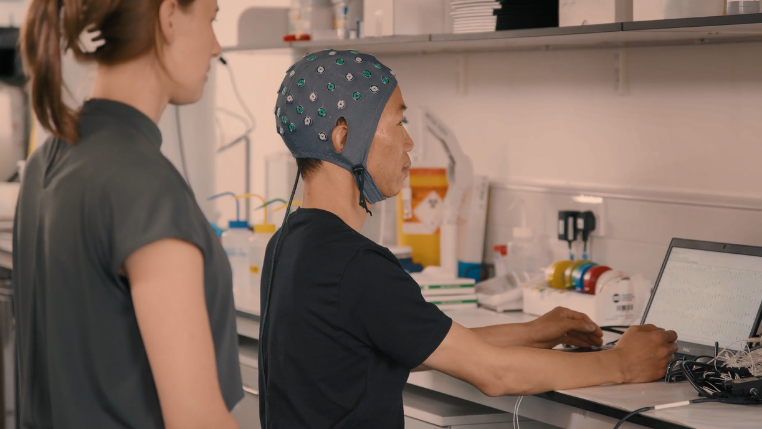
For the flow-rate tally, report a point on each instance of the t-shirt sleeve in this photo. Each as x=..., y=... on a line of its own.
x=382, y=306
x=141, y=209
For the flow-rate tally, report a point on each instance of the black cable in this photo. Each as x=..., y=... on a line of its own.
x=263, y=321
x=180, y=144
x=636, y=412
x=616, y=329
x=677, y=404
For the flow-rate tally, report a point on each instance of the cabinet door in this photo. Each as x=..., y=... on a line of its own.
x=411, y=423
x=247, y=412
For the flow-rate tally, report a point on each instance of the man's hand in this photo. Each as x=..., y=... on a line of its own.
x=644, y=353
x=564, y=326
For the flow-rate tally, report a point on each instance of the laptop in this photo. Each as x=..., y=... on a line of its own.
x=710, y=294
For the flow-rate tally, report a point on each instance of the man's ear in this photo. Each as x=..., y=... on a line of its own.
x=339, y=135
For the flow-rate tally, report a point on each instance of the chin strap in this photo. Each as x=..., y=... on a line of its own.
x=359, y=173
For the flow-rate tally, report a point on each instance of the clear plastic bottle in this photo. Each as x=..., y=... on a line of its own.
x=525, y=252
x=235, y=241
x=257, y=247
x=300, y=14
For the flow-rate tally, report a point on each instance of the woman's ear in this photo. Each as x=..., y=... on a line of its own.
x=167, y=12
x=339, y=135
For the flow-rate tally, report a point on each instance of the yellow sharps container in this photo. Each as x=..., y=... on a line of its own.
x=419, y=213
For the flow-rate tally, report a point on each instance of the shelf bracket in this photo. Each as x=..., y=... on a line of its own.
x=621, y=83
x=462, y=76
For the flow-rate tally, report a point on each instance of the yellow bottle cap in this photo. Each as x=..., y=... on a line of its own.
x=265, y=228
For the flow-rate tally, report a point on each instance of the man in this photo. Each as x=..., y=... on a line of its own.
x=343, y=324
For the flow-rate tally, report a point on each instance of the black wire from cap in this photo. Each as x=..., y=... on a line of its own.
x=359, y=171
x=263, y=321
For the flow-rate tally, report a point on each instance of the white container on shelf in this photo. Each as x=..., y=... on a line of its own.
x=651, y=10
x=591, y=12
x=674, y=9
x=404, y=17
x=742, y=7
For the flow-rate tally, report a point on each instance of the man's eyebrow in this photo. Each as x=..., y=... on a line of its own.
x=403, y=107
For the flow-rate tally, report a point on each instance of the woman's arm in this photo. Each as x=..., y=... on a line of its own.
x=166, y=280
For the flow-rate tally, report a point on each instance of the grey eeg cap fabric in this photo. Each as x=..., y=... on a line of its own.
x=323, y=87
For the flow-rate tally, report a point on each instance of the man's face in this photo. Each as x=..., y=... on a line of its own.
x=388, y=160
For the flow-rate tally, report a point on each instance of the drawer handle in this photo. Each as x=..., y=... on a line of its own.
x=251, y=391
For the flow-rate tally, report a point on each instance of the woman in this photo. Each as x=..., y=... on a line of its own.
x=124, y=301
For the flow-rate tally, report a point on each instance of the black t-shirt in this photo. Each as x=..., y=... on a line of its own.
x=80, y=214
x=345, y=326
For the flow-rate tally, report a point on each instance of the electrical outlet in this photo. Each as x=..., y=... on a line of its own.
x=597, y=205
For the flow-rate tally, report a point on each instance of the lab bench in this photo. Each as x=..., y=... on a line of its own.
x=598, y=407
x=432, y=396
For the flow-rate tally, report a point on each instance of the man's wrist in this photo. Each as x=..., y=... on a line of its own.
x=614, y=363
x=529, y=334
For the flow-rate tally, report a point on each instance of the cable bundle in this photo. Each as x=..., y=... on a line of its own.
x=731, y=377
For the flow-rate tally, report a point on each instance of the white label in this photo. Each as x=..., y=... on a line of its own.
x=616, y=303
x=561, y=228
x=429, y=213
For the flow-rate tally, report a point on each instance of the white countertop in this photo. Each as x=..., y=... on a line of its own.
x=620, y=397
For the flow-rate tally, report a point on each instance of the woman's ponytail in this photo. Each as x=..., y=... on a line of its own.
x=41, y=52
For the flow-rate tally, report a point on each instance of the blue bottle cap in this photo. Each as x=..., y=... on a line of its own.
x=238, y=224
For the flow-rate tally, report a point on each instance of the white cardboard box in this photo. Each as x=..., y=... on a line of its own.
x=620, y=303
x=591, y=12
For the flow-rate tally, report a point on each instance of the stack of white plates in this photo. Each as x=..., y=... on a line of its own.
x=474, y=16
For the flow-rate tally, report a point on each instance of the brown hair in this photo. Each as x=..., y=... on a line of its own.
x=52, y=27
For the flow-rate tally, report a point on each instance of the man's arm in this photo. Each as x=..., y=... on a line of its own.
x=641, y=355
x=559, y=326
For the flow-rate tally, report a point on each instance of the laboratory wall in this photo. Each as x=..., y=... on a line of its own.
x=683, y=128
x=12, y=12
x=257, y=77
x=673, y=149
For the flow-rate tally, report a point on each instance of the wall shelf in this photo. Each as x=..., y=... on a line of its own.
x=672, y=32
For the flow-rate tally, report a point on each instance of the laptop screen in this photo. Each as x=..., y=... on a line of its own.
x=708, y=296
